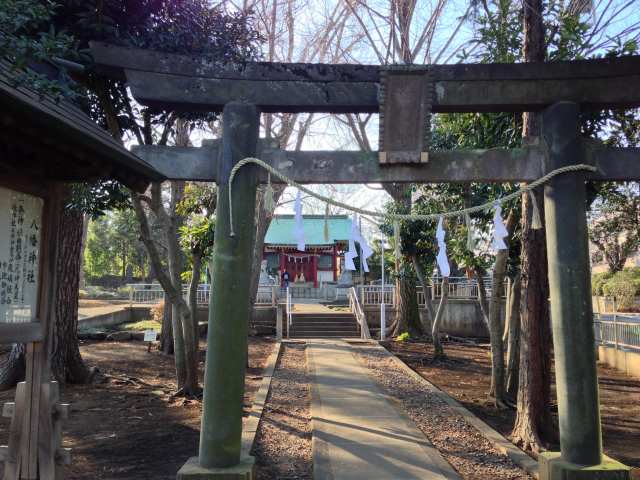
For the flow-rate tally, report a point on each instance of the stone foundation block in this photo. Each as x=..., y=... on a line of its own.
x=193, y=471
x=553, y=467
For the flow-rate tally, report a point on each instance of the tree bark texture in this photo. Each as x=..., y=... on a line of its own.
x=533, y=421
x=427, y=324
x=497, y=389
x=513, y=336
x=533, y=425
x=66, y=362
x=166, y=336
x=407, y=317
x=438, y=350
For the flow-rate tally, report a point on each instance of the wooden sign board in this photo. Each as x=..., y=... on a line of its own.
x=406, y=97
x=20, y=238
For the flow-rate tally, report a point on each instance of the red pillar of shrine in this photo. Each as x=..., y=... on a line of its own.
x=334, y=263
x=282, y=267
x=314, y=270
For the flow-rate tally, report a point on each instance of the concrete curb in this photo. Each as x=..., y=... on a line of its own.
x=503, y=445
x=250, y=427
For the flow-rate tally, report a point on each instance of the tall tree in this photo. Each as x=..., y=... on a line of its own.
x=533, y=426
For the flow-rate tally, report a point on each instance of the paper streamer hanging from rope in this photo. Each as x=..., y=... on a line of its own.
x=499, y=230
x=443, y=262
x=365, y=249
x=536, y=222
x=298, y=230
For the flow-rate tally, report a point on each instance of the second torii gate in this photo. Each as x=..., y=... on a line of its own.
x=558, y=90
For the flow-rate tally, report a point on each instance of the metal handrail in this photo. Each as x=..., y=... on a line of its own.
x=152, y=293
x=356, y=309
x=619, y=330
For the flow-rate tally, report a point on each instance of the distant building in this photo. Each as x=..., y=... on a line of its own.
x=322, y=259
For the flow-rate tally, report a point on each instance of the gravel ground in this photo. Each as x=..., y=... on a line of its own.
x=472, y=455
x=283, y=443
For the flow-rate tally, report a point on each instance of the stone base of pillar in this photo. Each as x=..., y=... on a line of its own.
x=553, y=467
x=242, y=471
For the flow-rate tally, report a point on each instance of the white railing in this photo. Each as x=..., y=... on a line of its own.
x=152, y=293
x=289, y=311
x=459, y=288
x=618, y=330
x=373, y=294
x=267, y=295
x=356, y=309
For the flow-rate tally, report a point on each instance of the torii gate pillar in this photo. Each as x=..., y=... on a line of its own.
x=571, y=309
x=221, y=429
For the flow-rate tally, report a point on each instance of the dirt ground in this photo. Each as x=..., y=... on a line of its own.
x=285, y=428
x=465, y=375
x=130, y=427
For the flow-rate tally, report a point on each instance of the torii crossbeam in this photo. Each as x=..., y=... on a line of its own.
x=558, y=90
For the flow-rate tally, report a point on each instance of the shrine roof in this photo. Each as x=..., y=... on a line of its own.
x=54, y=139
x=281, y=230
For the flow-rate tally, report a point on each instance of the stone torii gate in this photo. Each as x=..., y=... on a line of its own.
x=558, y=90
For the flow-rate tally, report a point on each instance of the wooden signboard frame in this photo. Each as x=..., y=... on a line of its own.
x=34, y=449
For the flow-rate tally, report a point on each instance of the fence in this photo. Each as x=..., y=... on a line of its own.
x=618, y=330
x=152, y=293
x=459, y=288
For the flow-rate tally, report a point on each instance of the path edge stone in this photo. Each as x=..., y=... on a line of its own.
x=503, y=445
x=250, y=427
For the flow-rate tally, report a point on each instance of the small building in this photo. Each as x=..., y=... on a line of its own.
x=322, y=260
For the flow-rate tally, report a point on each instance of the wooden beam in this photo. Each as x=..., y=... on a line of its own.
x=493, y=165
x=21, y=332
x=191, y=83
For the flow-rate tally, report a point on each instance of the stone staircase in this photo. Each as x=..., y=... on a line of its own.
x=324, y=325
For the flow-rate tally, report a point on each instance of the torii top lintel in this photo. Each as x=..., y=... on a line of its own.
x=191, y=84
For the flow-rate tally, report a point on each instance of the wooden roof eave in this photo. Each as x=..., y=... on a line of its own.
x=66, y=123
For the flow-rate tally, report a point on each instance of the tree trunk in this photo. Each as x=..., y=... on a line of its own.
x=482, y=299
x=85, y=232
x=263, y=220
x=66, y=363
x=427, y=324
x=13, y=368
x=533, y=426
x=533, y=421
x=495, y=324
x=196, y=271
x=513, y=339
x=438, y=350
x=166, y=337
x=407, y=318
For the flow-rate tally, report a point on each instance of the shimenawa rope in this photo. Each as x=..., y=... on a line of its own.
x=396, y=216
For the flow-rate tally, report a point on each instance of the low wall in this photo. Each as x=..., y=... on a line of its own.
x=125, y=315
x=462, y=317
x=626, y=361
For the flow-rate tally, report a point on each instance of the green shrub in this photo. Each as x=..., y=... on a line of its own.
x=624, y=286
x=598, y=281
x=403, y=337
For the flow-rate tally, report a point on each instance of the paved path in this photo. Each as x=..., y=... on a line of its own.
x=358, y=432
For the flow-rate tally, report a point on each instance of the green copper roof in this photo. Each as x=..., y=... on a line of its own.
x=281, y=230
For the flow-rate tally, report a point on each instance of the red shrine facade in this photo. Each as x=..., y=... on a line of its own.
x=326, y=240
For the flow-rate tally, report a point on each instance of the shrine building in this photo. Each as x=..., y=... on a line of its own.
x=322, y=259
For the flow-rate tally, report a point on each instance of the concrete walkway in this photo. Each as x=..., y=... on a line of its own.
x=358, y=432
